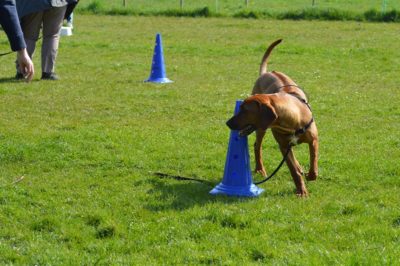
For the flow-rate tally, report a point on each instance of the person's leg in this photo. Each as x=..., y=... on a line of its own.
x=52, y=22
x=30, y=25
x=70, y=20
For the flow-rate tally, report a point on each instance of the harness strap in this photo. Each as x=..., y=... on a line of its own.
x=304, y=129
x=296, y=133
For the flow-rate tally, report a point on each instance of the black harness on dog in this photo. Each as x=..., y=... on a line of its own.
x=297, y=132
x=303, y=129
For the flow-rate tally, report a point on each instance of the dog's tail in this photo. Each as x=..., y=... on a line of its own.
x=264, y=61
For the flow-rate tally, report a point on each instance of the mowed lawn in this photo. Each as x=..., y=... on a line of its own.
x=78, y=156
x=233, y=6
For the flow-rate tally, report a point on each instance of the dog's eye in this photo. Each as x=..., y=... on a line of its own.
x=245, y=109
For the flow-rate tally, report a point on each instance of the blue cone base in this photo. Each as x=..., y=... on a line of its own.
x=240, y=191
x=159, y=80
x=237, y=180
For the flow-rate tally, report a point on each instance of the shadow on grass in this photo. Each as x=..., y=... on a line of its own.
x=9, y=80
x=179, y=193
x=13, y=80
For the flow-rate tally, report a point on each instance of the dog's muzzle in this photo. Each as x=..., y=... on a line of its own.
x=233, y=125
x=247, y=130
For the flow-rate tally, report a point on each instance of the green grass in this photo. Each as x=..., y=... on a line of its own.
x=298, y=10
x=87, y=146
x=233, y=6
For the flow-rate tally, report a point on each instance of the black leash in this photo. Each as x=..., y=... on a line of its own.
x=181, y=178
x=289, y=148
x=279, y=166
x=3, y=54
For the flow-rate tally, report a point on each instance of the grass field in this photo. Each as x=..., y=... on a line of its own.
x=233, y=6
x=88, y=145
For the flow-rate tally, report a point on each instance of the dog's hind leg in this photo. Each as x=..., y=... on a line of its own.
x=258, y=153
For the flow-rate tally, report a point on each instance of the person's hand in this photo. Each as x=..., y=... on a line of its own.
x=25, y=65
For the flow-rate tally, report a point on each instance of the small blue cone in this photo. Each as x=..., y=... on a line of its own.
x=237, y=180
x=158, y=73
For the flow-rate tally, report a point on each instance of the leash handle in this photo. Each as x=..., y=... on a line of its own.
x=279, y=166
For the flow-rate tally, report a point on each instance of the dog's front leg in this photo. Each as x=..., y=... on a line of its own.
x=296, y=172
x=258, y=154
x=313, y=147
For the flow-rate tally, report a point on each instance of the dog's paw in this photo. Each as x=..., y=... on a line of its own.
x=261, y=172
x=302, y=193
x=311, y=176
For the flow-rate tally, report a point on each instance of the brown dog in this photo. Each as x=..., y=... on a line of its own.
x=281, y=105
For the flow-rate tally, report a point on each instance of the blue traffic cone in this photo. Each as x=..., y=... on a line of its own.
x=158, y=73
x=237, y=180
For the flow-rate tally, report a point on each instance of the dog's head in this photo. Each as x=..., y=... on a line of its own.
x=256, y=112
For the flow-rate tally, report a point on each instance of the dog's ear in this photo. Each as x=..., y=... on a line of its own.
x=267, y=115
